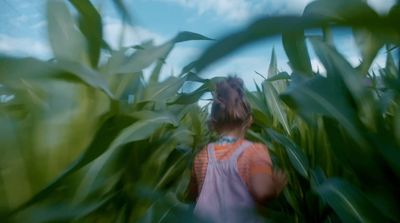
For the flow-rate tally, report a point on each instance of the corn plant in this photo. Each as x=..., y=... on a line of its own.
x=335, y=134
x=86, y=137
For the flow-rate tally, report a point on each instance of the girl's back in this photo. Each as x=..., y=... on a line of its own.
x=223, y=172
x=231, y=175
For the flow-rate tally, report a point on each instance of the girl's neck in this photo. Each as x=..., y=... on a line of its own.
x=233, y=133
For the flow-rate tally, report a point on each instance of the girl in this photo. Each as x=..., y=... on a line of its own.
x=232, y=174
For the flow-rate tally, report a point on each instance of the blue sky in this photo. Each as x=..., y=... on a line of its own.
x=23, y=30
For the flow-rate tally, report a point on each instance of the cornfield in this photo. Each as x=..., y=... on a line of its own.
x=88, y=137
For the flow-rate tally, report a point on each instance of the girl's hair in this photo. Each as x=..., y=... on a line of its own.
x=230, y=109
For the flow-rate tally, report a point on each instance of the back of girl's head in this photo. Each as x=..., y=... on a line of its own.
x=230, y=109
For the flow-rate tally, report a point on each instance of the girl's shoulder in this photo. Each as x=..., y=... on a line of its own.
x=202, y=154
x=256, y=150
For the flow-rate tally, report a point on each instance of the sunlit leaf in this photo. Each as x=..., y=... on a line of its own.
x=296, y=50
x=273, y=65
x=13, y=69
x=280, y=76
x=296, y=156
x=181, y=37
x=275, y=105
x=90, y=25
x=66, y=42
x=347, y=202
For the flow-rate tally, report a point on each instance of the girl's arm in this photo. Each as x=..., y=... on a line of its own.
x=265, y=187
x=192, y=189
x=264, y=183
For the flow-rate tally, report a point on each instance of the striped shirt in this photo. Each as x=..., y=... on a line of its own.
x=252, y=161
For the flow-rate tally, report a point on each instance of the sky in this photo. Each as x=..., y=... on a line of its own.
x=23, y=31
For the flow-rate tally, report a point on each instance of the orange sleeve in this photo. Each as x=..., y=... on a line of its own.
x=260, y=161
x=200, y=167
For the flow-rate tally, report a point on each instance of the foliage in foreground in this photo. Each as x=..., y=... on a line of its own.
x=85, y=137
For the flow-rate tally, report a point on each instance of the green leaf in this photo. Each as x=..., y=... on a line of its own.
x=296, y=156
x=194, y=77
x=186, y=36
x=186, y=69
x=144, y=58
x=390, y=65
x=163, y=91
x=14, y=69
x=109, y=129
x=279, y=76
x=368, y=44
x=123, y=10
x=173, y=171
x=316, y=14
x=181, y=37
x=143, y=128
x=338, y=67
x=273, y=65
x=66, y=42
x=64, y=212
x=275, y=105
x=87, y=75
x=328, y=96
x=296, y=49
x=260, y=29
x=91, y=26
x=347, y=202
x=192, y=97
x=353, y=11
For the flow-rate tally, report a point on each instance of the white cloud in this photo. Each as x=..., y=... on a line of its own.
x=234, y=10
x=382, y=6
x=24, y=47
x=243, y=10
x=20, y=20
x=133, y=35
x=39, y=25
x=244, y=67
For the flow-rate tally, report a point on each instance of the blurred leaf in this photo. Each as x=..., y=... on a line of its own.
x=260, y=29
x=124, y=85
x=316, y=14
x=328, y=35
x=64, y=212
x=327, y=96
x=390, y=66
x=194, y=77
x=186, y=36
x=341, y=11
x=338, y=67
x=296, y=50
x=123, y=10
x=13, y=69
x=91, y=26
x=66, y=42
x=369, y=45
x=347, y=202
x=297, y=158
x=186, y=69
x=110, y=128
